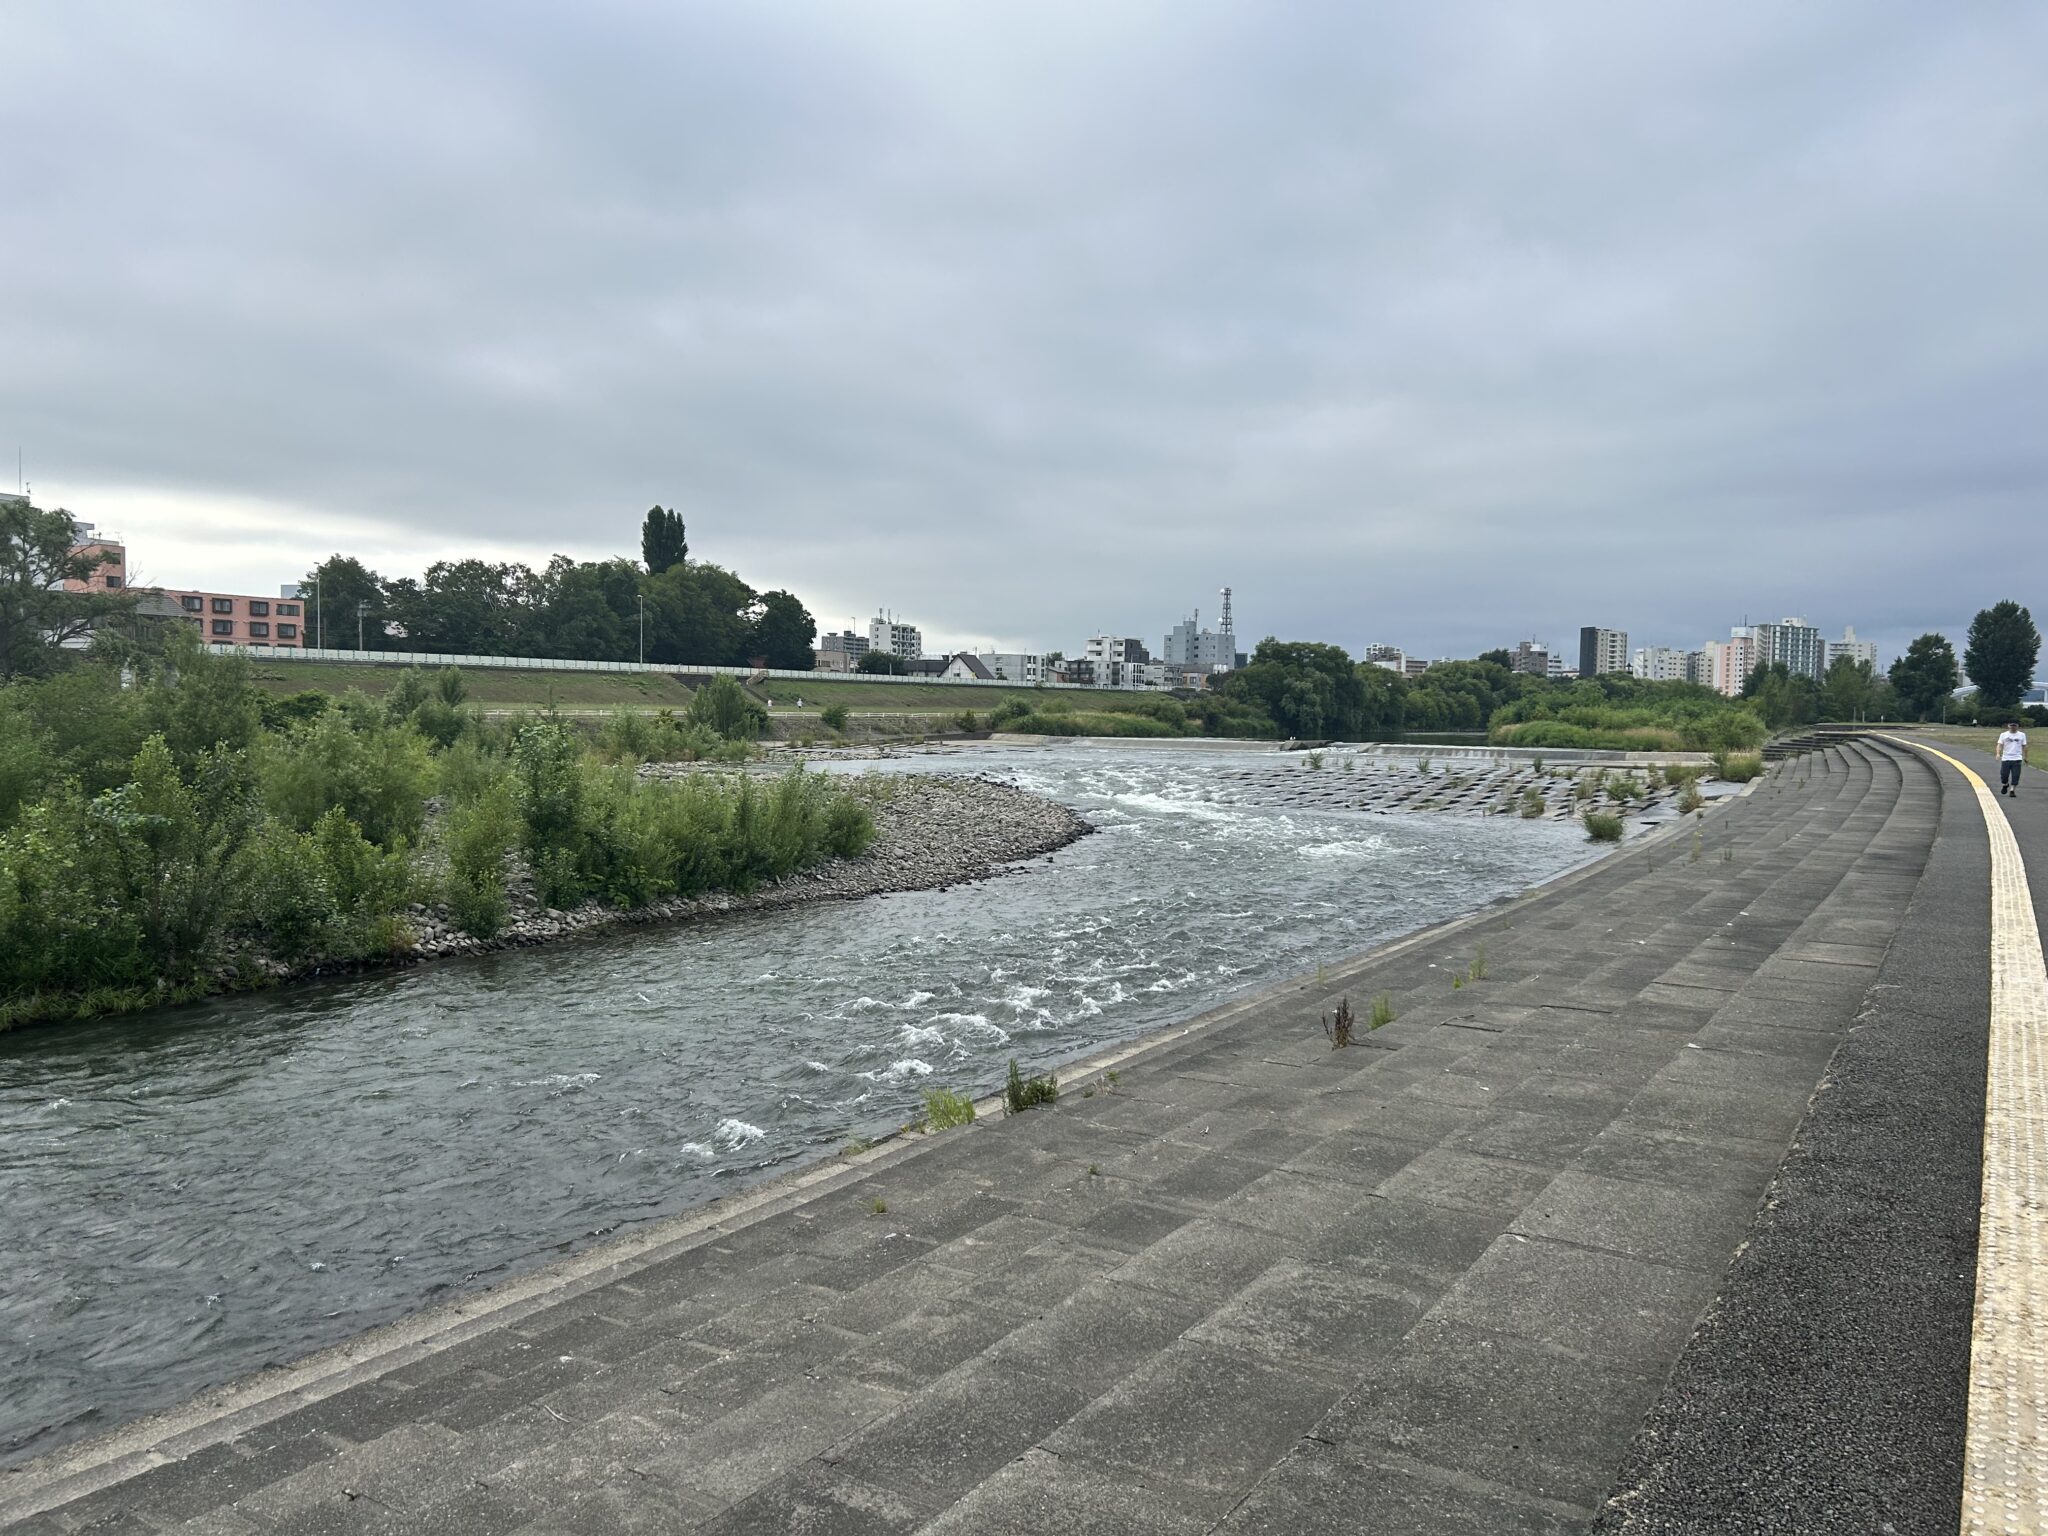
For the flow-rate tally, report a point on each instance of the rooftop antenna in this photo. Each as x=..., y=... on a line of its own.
x=1226, y=612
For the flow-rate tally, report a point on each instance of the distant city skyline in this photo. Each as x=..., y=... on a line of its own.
x=1430, y=325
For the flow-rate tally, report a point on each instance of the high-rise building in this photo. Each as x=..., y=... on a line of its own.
x=1794, y=642
x=1732, y=660
x=1699, y=666
x=1864, y=651
x=1530, y=658
x=1392, y=657
x=1602, y=650
x=885, y=634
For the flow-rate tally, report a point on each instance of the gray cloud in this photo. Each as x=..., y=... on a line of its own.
x=1443, y=325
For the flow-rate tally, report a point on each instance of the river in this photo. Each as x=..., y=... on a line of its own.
x=194, y=1193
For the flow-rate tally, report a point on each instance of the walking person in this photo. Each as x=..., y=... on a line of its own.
x=2012, y=753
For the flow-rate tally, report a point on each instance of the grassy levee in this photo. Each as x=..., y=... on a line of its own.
x=489, y=687
x=1982, y=740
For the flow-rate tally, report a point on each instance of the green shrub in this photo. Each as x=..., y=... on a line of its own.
x=1382, y=1012
x=834, y=717
x=478, y=835
x=728, y=710
x=1603, y=827
x=944, y=1109
x=1021, y=1093
x=379, y=776
x=1533, y=804
x=1738, y=767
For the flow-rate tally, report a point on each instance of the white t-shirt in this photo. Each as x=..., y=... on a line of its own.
x=2012, y=747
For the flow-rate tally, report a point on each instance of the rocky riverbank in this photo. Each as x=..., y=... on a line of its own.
x=930, y=833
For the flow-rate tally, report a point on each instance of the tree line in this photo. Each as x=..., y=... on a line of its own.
x=664, y=608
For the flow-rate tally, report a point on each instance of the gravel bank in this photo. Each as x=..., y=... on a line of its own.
x=930, y=833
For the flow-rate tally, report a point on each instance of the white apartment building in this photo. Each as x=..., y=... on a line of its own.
x=1864, y=651
x=1658, y=664
x=1392, y=657
x=1024, y=667
x=1119, y=661
x=885, y=634
x=1602, y=650
x=1794, y=642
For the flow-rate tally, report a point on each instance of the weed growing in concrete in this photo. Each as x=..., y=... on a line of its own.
x=1585, y=788
x=1313, y=760
x=1112, y=1077
x=1338, y=1030
x=1478, y=971
x=1382, y=1012
x=1536, y=762
x=855, y=1147
x=1094, y=1172
x=1021, y=1093
x=944, y=1109
x=1603, y=827
x=1532, y=803
x=1690, y=799
x=1457, y=982
x=878, y=1207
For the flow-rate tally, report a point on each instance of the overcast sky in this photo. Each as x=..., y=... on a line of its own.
x=1438, y=324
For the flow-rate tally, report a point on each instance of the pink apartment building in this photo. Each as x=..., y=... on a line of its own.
x=224, y=618
x=228, y=618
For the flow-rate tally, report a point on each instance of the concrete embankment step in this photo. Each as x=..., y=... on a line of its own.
x=1430, y=1283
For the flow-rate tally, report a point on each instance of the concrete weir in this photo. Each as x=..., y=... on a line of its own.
x=1574, y=1241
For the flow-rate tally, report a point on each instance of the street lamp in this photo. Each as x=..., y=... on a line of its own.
x=319, y=624
x=362, y=606
x=642, y=597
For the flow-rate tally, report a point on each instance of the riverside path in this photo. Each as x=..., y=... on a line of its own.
x=1663, y=1219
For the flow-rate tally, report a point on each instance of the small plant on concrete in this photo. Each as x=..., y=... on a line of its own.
x=878, y=1207
x=1382, y=1012
x=1603, y=827
x=855, y=1147
x=1585, y=789
x=1094, y=1172
x=1532, y=803
x=1423, y=766
x=1112, y=1077
x=944, y=1109
x=1338, y=1030
x=1313, y=760
x=1536, y=762
x=1457, y=982
x=1690, y=799
x=1021, y=1093
x=1620, y=789
x=1478, y=971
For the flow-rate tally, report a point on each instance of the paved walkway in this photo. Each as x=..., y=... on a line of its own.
x=1433, y=1283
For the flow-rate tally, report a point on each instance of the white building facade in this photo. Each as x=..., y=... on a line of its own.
x=905, y=640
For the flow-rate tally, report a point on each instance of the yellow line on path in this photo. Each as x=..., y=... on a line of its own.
x=2005, y=1456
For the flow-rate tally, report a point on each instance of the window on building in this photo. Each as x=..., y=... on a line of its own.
x=259, y=608
x=193, y=604
x=223, y=605
x=113, y=581
x=287, y=631
x=223, y=626
x=258, y=630
x=288, y=610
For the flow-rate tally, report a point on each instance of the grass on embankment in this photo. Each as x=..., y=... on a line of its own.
x=1982, y=741
x=489, y=687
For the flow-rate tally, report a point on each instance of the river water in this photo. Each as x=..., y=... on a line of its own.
x=192, y=1194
